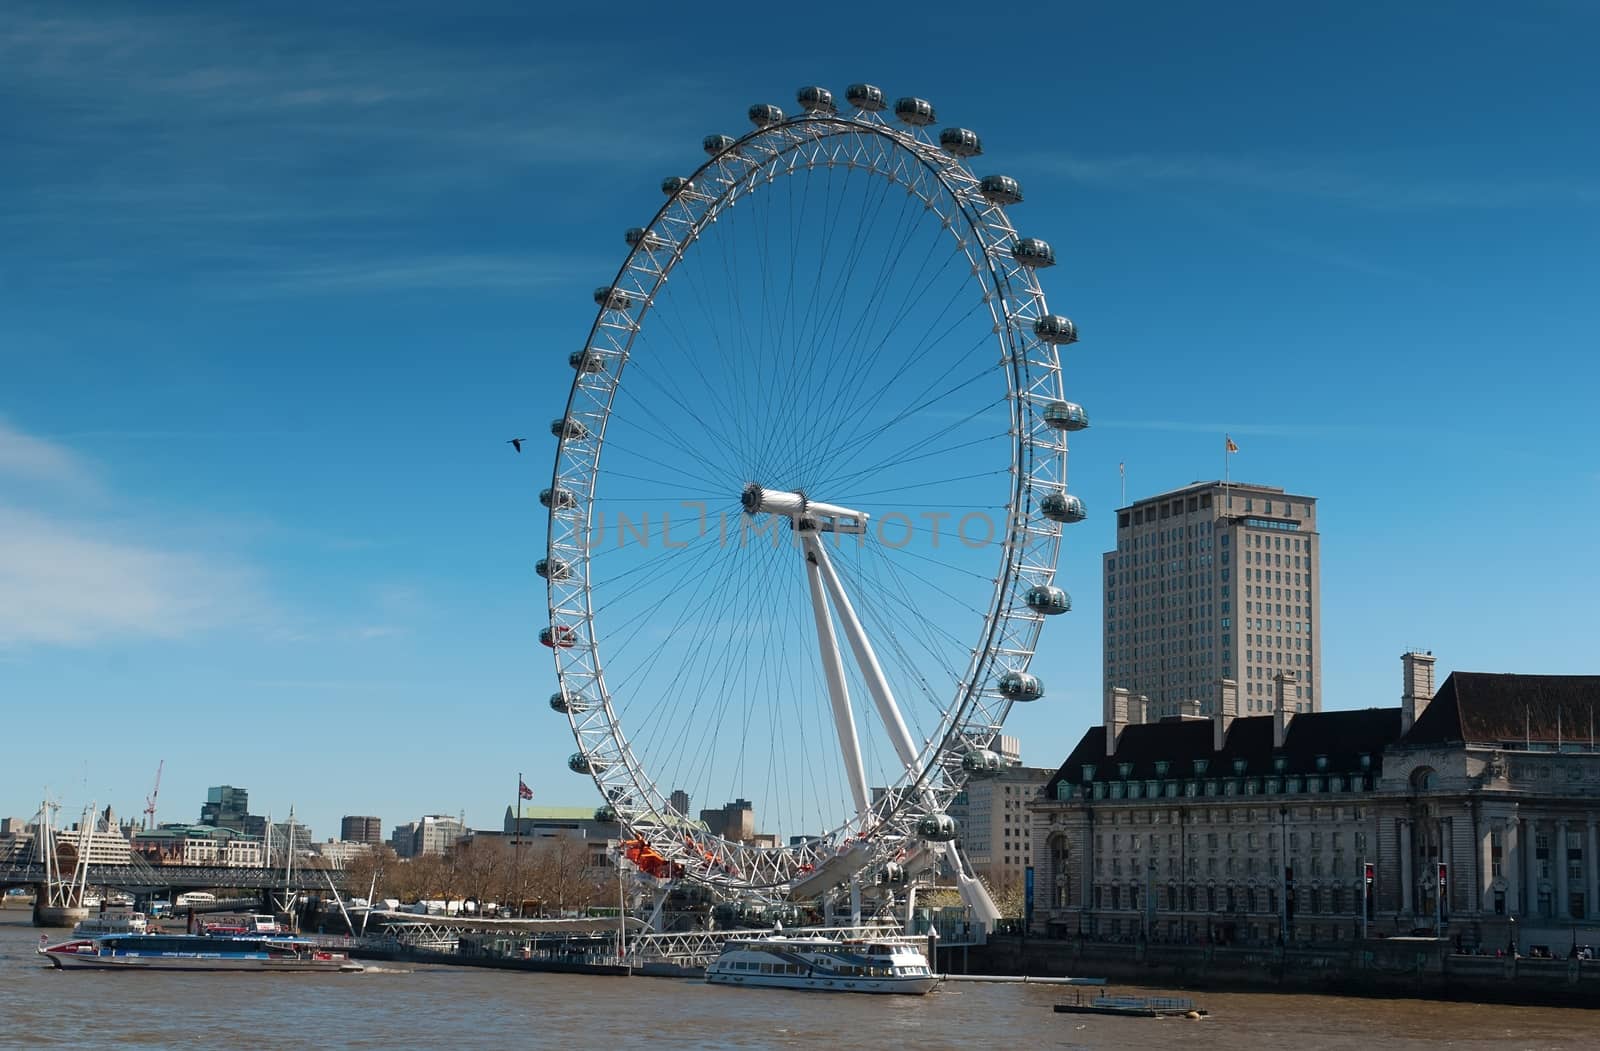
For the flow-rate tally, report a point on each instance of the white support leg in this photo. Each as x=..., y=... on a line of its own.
x=833, y=669
x=871, y=670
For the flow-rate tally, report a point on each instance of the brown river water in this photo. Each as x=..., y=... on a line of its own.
x=396, y=1006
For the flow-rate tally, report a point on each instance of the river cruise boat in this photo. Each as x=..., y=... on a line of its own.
x=194, y=952
x=112, y=921
x=881, y=965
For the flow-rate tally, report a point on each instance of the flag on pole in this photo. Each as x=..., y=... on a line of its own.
x=1229, y=443
x=523, y=791
x=1122, y=469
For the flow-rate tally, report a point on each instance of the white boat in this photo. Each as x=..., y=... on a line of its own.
x=112, y=921
x=881, y=965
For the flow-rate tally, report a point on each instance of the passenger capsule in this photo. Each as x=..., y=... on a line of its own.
x=865, y=97
x=638, y=235
x=567, y=427
x=1053, y=328
x=586, y=361
x=982, y=763
x=816, y=100
x=1063, y=507
x=715, y=144
x=675, y=184
x=936, y=828
x=561, y=635
x=1020, y=686
x=892, y=872
x=1033, y=252
x=1047, y=599
x=606, y=813
x=552, y=569
x=579, y=763
x=960, y=142
x=558, y=499
x=612, y=298
x=575, y=703
x=765, y=115
x=914, y=111
x=1065, y=416
x=1000, y=189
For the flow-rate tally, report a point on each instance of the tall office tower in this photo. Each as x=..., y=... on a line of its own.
x=1214, y=581
x=356, y=828
x=679, y=801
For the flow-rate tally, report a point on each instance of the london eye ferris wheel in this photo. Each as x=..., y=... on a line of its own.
x=808, y=493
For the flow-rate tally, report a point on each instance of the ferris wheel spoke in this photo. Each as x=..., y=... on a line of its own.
x=907, y=458
x=841, y=449
x=946, y=480
x=870, y=335
x=850, y=346
x=724, y=448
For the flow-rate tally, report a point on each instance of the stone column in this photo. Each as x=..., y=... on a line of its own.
x=1530, y=854
x=1511, y=864
x=1591, y=871
x=1486, y=867
x=1558, y=858
x=1408, y=885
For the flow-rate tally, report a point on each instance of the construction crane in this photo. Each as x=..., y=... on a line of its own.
x=150, y=800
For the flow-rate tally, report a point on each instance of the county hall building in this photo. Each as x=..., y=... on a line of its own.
x=1471, y=813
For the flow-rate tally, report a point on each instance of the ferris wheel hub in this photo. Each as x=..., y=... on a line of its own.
x=801, y=510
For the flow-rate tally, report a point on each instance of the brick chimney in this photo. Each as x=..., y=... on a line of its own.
x=1227, y=711
x=1416, y=687
x=1283, y=710
x=1116, y=717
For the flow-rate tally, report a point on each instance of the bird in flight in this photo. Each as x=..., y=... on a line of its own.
x=516, y=443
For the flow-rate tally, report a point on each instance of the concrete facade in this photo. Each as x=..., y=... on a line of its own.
x=357, y=828
x=995, y=826
x=1214, y=581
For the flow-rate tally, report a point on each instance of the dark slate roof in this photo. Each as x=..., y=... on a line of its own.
x=1489, y=708
x=1341, y=736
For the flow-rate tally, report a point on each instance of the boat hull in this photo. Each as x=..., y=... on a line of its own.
x=84, y=962
x=909, y=986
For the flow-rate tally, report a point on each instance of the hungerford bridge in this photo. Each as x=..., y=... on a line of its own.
x=136, y=876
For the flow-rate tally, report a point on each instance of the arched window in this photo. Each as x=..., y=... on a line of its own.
x=1424, y=779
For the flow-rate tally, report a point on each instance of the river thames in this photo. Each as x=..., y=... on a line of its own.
x=395, y=1006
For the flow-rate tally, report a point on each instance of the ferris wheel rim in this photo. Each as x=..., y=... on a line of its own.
x=967, y=718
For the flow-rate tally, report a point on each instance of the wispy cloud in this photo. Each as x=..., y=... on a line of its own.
x=24, y=457
x=75, y=576
x=65, y=584
x=229, y=143
x=1318, y=178
x=422, y=272
x=1237, y=428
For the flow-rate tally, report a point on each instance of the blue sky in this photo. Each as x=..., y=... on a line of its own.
x=276, y=285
